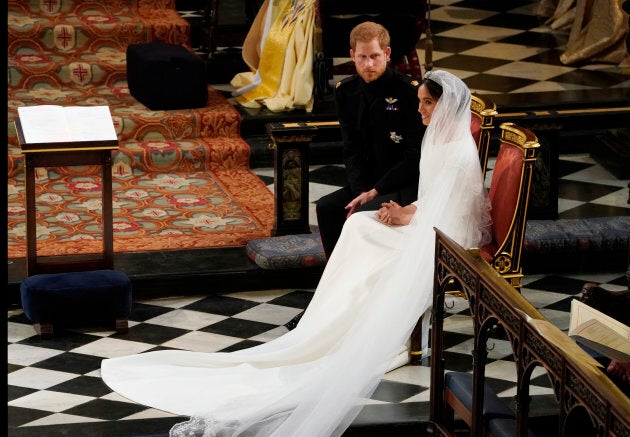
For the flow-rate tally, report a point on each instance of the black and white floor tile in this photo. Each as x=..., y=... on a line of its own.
x=586, y=189
x=495, y=47
x=54, y=385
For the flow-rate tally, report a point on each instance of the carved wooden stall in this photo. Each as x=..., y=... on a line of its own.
x=589, y=403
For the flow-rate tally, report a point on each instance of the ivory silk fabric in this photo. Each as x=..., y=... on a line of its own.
x=313, y=380
x=279, y=50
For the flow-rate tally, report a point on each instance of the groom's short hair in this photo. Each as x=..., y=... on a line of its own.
x=366, y=32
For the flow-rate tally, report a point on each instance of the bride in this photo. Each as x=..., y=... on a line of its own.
x=313, y=380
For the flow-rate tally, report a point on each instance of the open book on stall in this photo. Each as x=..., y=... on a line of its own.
x=599, y=332
x=44, y=124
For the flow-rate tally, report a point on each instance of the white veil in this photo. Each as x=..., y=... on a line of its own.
x=448, y=144
x=313, y=380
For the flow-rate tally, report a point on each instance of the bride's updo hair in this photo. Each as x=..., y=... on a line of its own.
x=440, y=83
x=434, y=88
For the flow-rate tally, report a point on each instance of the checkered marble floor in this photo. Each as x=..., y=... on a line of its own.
x=499, y=48
x=504, y=47
x=54, y=386
x=585, y=188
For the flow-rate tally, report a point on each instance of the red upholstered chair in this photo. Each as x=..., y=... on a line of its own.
x=509, y=194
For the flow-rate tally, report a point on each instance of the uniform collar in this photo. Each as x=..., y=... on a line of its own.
x=379, y=83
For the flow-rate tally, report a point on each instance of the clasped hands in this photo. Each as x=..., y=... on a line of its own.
x=392, y=214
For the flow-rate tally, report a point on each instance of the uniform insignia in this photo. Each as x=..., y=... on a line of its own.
x=395, y=137
x=390, y=104
x=415, y=83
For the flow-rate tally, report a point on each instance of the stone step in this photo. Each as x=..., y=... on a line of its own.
x=186, y=155
x=133, y=120
x=149, y=139
x=70, y=35
x=90, y=27
x=181, y=177
x=83, y=45
x=104, y=67
x=613, y=152
x=78, y=7
x=163, y=156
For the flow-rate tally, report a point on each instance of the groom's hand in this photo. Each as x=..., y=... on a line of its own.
x=361, y=199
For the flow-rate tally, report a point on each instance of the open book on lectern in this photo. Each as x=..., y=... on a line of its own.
x=56, y=124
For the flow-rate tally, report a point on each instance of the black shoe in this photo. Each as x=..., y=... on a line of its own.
x=291, y=324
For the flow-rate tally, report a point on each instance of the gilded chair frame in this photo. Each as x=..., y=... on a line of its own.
x=486, y=110
x=506, y=257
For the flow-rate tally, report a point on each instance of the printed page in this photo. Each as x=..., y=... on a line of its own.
x=598, y=331
x=90, y=123
x=602, y=339
x=581, y=313
x=53, y=124
x=44, y=124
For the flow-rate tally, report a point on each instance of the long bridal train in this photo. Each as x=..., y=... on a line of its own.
x=314, y=380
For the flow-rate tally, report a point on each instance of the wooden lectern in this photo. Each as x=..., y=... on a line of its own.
x=61, y=154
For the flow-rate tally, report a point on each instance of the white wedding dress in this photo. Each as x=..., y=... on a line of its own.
x=379, y=280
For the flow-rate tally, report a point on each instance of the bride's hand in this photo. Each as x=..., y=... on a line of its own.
x=389, y=214
x=392, y=214
x=382, y=215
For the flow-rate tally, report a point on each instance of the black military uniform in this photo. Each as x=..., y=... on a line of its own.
x=382, y=131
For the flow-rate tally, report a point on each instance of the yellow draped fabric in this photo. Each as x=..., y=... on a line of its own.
x=279, y=50
x=598, y=29
x=561, y=13
x=598, y=33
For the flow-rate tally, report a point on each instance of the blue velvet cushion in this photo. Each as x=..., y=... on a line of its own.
x=287, y=251
x=76, y=297
x=547, y=236
x=461, y=385
x=570, y=235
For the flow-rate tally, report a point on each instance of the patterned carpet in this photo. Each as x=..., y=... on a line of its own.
x=181, y=176
x=153, y=210
x=54, y=386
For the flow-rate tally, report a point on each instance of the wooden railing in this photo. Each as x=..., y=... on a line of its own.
x=581, y=387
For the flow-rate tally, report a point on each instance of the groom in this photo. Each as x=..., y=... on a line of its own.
x=381, y=131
